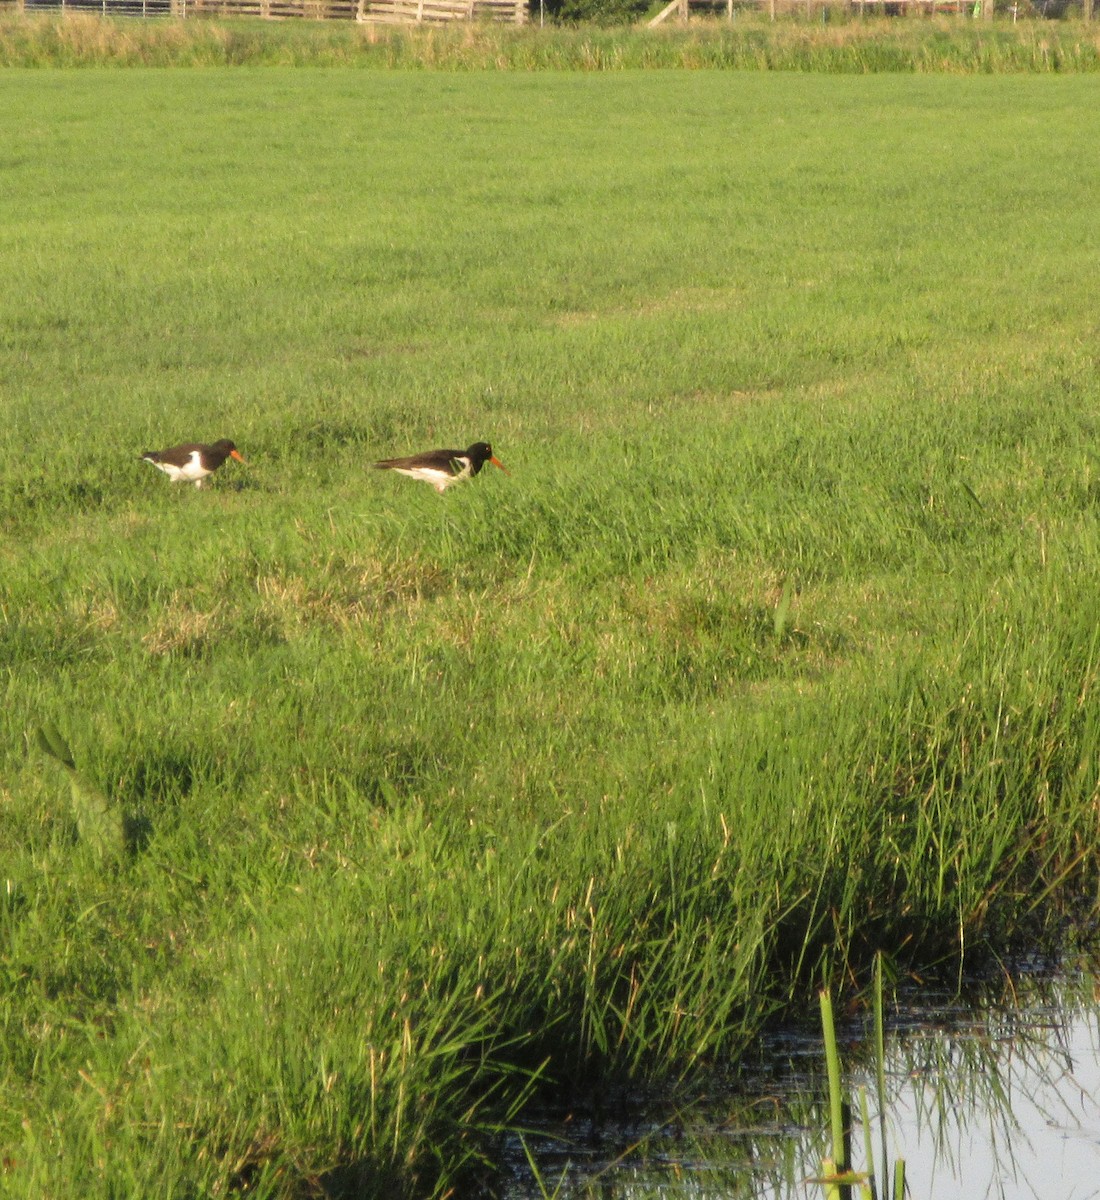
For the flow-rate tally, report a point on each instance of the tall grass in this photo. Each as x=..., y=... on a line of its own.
x=845, y=45
x=778, y=647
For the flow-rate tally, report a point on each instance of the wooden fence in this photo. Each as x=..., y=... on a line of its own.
x=406, y=12
x=393, y=12
x=390, y=12
x=104, y=8
x=274, y=10
x=682, y=10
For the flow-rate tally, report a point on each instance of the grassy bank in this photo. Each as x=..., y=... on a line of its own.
x=846, y=44
x=778, y=647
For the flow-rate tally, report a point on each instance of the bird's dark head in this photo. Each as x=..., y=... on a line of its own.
x=227, y=448
x=480, y=453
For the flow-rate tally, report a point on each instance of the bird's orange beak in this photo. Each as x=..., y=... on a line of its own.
x=497, y=463
x=237, y=455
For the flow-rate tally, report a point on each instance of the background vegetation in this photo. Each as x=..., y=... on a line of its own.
x=778, y=647
x=846, y=44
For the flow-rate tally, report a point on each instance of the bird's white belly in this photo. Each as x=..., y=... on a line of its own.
x=191, y=470
x=438, y=478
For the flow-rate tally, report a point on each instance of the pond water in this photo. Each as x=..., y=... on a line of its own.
x=997, y=1098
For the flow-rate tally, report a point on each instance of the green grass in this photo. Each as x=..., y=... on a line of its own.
x=779, y=646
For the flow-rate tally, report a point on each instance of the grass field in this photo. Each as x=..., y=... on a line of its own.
x=778, y=647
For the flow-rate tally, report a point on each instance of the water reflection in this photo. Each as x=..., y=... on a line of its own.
x=1005, y=1104
x=995, y=1099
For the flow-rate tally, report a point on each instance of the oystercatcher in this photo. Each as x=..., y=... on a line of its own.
x=441, y=468
x=192, y=461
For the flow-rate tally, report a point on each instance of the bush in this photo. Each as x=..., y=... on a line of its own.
x=599, y=12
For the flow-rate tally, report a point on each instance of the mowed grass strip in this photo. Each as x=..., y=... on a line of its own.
x=778, y=647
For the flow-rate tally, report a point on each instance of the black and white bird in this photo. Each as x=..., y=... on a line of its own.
x=441, y=468
x=192, y=461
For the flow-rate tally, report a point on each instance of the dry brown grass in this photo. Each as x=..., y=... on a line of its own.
x=183, y=629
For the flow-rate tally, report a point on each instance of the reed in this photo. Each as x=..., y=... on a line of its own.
x=838, y=1176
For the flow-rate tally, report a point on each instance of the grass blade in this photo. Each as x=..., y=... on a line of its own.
x=99, y=822
x=783, y=608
